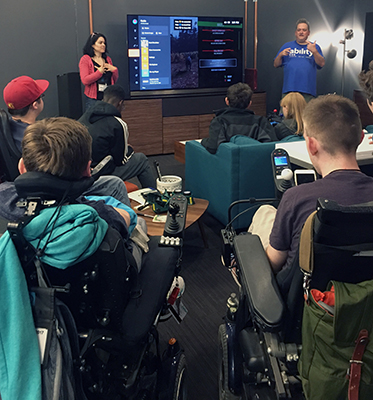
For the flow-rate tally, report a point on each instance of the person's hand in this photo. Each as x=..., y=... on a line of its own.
x=311, y=47
x=102, y=69
x=109, y=67
x=285, y=52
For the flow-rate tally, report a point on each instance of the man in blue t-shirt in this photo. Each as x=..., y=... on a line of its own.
x=300, y=59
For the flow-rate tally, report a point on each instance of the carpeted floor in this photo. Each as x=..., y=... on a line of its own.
x=208, y=285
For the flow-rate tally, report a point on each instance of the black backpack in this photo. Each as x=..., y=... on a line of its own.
x=59, y=346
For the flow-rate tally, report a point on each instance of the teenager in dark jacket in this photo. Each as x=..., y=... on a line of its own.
x=237, y=119
x=110, y=137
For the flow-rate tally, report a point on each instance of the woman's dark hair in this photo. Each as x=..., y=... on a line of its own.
x=87, y=49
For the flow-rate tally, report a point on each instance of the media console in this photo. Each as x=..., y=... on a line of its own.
x=155, y=124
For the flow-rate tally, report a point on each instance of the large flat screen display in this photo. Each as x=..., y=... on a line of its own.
x=175, y=54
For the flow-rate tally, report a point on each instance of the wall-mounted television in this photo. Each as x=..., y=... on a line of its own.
x=173, y=55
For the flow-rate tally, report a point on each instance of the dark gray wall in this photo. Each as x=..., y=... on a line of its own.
x=40, y=39
x=44, y=38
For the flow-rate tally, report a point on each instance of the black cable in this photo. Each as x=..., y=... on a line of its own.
x=262, y=201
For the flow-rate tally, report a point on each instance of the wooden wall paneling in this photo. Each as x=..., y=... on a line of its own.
x=259, y=103
x=204, y=124
x=144, y=120
x=178, y=128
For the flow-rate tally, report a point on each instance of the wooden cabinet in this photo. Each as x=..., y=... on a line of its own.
x=179, y=128
x=145, y=125
x=204, y=124
x=152, y=133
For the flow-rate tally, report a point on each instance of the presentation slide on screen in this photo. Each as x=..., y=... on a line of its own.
x=183, y=52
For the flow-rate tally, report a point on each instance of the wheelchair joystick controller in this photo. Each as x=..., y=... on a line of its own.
x=286, y=179
x=175, y=223
x=173, y=226
x=282, y=173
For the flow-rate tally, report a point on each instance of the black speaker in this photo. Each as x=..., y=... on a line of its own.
x=69, y=95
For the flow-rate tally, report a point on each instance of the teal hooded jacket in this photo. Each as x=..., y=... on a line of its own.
x=76, y=234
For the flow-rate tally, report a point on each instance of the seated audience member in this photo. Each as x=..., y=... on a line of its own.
x=23, y=97
x=237, y=119
x=110, y=137
x=61, y=147
x=292, y=105
x=332, y=132
x=366, y=83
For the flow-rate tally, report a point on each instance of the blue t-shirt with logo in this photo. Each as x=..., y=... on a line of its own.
x=299, y=68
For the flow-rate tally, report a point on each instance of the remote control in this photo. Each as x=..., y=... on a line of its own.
x=176, y=216
x=96, y=171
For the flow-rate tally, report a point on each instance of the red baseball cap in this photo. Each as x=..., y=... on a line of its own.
x=22, y=91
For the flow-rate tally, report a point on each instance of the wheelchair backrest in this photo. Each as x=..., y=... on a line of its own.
x=338, y=246
x=342, y=248
x=100, y=286
x=9, y=154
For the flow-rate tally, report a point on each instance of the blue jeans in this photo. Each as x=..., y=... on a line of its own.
x=109, y=185
x=89, y=102
x=137, y=165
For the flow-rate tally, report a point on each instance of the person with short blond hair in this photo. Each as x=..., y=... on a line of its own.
x=292, y=105
x=335, y=122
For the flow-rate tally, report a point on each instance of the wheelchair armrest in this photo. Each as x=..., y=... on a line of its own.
x=258, y=282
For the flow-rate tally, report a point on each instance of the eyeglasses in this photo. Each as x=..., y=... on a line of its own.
x=93, y=34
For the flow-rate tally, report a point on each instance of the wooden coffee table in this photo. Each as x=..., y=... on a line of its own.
x=194, y=213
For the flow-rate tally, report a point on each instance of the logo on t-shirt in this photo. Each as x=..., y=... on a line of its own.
x=300, y=53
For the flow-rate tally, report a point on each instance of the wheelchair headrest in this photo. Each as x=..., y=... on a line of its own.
x=50, y=187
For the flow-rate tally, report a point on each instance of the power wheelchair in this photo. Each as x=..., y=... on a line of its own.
x=261, y=340
x=115, y=308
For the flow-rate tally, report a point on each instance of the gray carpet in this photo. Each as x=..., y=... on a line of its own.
x=208, y=285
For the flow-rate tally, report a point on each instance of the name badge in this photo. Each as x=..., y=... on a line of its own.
x=102, y=87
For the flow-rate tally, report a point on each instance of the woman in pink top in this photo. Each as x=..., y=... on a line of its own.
x=96, y=68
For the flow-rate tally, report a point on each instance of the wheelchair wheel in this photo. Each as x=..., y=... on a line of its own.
x=224, y=392
x=180, y=388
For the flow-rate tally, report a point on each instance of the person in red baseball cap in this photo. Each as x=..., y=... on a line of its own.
x=23, y=97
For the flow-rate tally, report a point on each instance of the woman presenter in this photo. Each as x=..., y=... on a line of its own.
x=96, y=68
